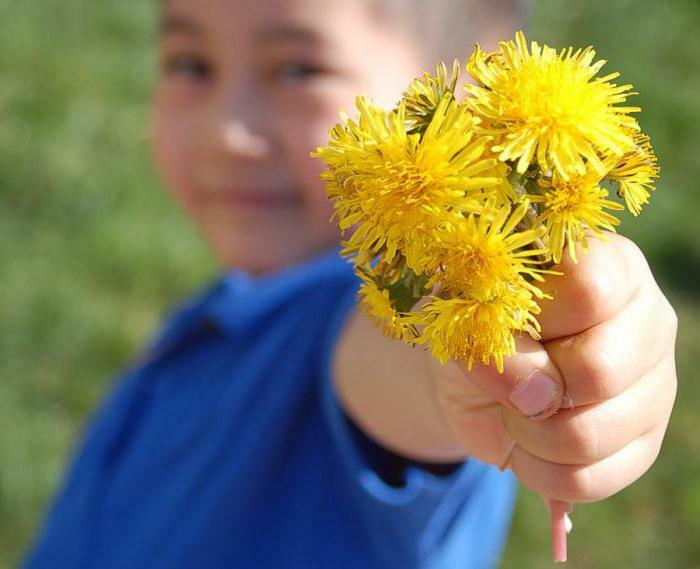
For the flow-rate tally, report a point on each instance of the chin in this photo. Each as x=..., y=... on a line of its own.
x=267, y=249
x=249, y=261
x=256, y=258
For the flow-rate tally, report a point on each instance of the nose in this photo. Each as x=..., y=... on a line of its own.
x=239, y=139
x=238, y=126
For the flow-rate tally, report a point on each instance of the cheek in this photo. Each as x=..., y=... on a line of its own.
x=307, y=170
x=170, y=149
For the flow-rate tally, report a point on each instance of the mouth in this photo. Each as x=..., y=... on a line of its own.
x=255, y=201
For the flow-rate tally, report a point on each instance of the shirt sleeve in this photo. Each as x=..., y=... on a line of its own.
x=423, y=513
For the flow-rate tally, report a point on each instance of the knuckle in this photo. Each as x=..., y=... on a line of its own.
x=596, y=366
x=581, y=444
x=632, y=255
x=671, y=317
x=630, y=266
x=593, y=289
x=673, y=392
x=670, y=384
x=577, y=485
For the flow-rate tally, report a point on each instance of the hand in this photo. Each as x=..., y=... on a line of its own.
x=596, y=423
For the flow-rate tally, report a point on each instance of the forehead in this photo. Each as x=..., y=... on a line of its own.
x=332, y=21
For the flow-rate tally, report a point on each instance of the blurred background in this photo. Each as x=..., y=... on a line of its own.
x=92, y=253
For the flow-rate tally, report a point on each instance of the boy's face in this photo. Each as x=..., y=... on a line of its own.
x=246, y=89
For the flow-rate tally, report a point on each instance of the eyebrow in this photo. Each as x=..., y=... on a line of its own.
x=289, y=33
x=178, y=24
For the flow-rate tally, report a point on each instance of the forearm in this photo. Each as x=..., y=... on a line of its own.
x=386, y=387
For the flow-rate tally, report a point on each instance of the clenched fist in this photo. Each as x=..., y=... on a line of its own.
x=582, y=413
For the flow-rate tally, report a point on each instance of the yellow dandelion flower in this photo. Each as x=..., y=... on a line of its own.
x=469, y=330
x=550, y=107
x=396, y=187
x=349, y=142
x=377, y=304
x=569, y=207
x=635, y=173
x=479, y=254
x=503, y=193
x=425, y=93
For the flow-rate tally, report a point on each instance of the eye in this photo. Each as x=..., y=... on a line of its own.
x=298, y=72
x=187, y=66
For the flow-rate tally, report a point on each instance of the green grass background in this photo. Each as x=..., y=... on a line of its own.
x=92, y=252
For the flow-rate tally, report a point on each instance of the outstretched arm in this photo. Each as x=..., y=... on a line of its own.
x=579, y=415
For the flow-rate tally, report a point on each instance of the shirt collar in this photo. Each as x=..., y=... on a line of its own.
x=237, y=299
x=240, y=298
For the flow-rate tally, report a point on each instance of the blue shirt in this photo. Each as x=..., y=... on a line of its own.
x=226, y=447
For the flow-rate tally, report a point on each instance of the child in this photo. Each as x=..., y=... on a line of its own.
x=271, y=425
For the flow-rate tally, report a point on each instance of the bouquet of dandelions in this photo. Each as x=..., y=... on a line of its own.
x=459, y=207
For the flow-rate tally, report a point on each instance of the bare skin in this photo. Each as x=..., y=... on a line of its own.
x=608, y=342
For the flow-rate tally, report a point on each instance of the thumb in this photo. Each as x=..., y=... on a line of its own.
x=530, y=382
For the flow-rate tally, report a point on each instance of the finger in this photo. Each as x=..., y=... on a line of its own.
x=594, y=289
x=530, y=383
x=585, y=435
x=603, y=361
x=469, y=410
x=588, y=483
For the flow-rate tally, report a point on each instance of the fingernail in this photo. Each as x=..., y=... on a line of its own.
x=534, y=395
